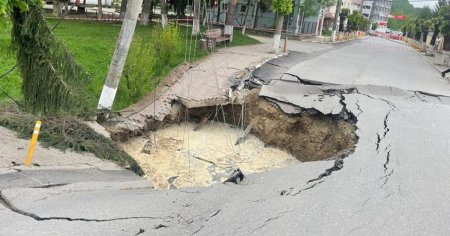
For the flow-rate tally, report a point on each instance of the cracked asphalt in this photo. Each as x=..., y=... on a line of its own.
x=394, y=183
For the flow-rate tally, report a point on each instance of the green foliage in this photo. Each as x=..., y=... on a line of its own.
x=92, y=44
x=326, y=32
x=402, y=7
x=138, y=72
x=345, y=12
x=374, y=26
x=356, y=21
x=67, y=133
x=426, y=13
x=283, y=7
x=444, y=14
x=170, y=44
x=53, y=83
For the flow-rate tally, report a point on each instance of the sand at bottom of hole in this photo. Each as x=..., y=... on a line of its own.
x=204, y=157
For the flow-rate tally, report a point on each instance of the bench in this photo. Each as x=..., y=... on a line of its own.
x=215, y=36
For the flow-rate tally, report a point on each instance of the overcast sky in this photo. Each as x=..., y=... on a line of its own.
x=421, y=3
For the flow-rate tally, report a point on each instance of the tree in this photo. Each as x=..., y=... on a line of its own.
x=435, y=24
x=229, y=21
x=146, y=10
x=245, y=17
x=53, y=82
x=100, y=10
x=123, y=8
x=444, y=13
x=282, y=8
x=180, y=7
x=164, y=19
x=120, y=54
x=196, y=20
x=343, y=17
x=425, y=13
x=57, y=7
x=374, y=26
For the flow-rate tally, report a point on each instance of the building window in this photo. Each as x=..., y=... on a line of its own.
x=243, y=9
x=224, y=7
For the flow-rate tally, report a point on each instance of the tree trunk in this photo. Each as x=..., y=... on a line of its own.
x=255, y=19
x=205, y=13
x=277, y=33
x=57, y=8
x=435, y=34
x=229, y=21
x=302, y=19
x=100, y=10
x=66, y=6
x=146, y=12
x=446, y=43
x=164, y=19
x=218, y=11
x=245, y=18
x=123, y=8
x=425, y=36
x=196, y=20
x=120, y=54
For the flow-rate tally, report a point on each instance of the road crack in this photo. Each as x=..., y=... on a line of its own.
x=281, y=214
x=10, y=206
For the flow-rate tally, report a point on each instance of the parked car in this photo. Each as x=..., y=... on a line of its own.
x=396, y=35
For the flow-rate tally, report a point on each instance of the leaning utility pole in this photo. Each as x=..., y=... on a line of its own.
x=336, y=21
x=120, y=55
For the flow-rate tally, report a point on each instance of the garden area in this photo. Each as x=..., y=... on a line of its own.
x=153, y=54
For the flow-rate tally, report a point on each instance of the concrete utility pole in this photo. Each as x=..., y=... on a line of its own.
x=336, y=21
x=120, y=55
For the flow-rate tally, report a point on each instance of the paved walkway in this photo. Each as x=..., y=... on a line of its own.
x=202, y=84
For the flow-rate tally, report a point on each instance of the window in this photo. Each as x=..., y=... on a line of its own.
x=224, y=7
x=243, y=9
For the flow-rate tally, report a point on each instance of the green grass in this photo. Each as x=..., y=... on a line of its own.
x=93, y=45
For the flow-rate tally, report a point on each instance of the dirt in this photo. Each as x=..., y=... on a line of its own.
x=197, y=147
x=181, y=157
x=308, y=137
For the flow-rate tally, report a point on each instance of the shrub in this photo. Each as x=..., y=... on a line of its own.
x=170, y=44
x=140, y=68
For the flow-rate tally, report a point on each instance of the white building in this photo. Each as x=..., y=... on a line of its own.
x=377, y=11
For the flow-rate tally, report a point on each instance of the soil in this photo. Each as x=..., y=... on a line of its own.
x=197, y=146
x=307, y=137
x=181, y=157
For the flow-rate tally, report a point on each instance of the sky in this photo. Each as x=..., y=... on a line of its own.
x=422, y=3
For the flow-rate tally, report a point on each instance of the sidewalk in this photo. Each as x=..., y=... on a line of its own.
x=435, y=60
x=193, y=85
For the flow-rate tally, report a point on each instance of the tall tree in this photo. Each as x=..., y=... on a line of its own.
x=282, y=8
x=444, y=13
x=120, y=54
x=57, y=7
x=345, y=12
x=196, y=20
x=146, y=10
x=123, y=8
x=245, y=17
x=164, y=19
x=100, y=10
x=229, y=21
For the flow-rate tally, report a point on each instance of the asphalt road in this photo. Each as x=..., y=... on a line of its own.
x=395, y=182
